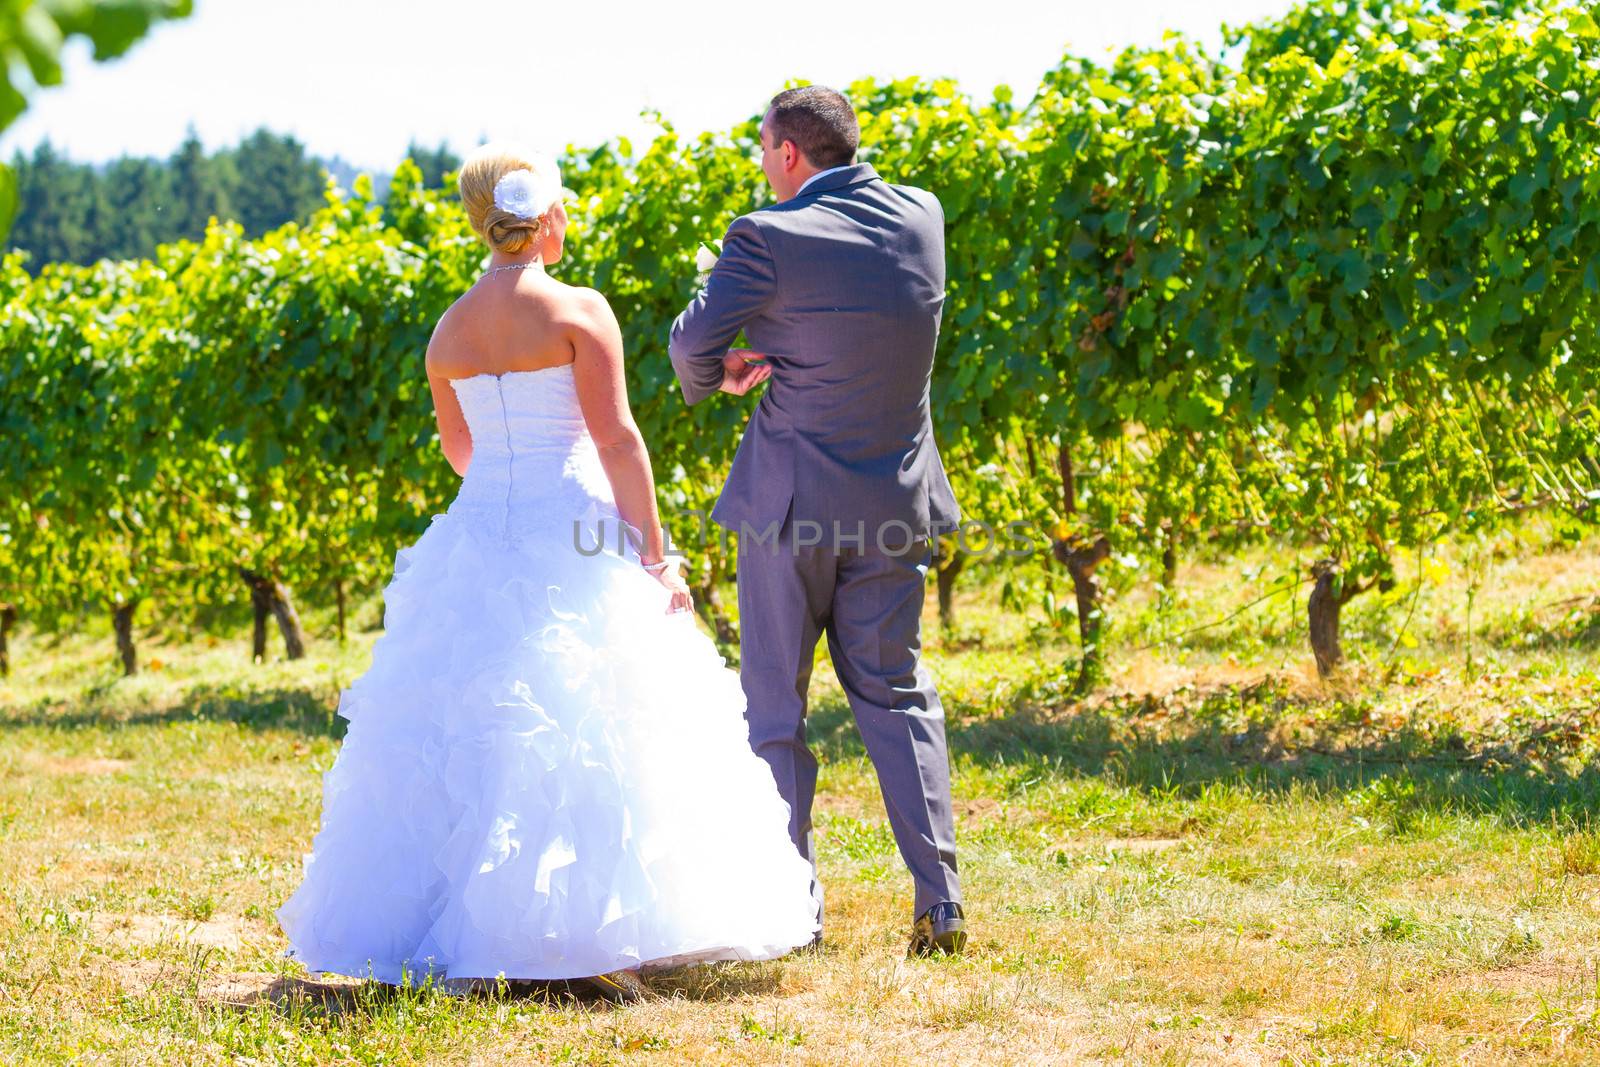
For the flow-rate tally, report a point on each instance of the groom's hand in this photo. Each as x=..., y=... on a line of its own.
x=743, y=370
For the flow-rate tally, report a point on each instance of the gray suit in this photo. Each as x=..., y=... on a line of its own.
x=837, y=486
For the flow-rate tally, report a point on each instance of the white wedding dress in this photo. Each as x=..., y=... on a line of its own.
x=545, y=774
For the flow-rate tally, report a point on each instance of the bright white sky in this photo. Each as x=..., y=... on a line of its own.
x=361, y=78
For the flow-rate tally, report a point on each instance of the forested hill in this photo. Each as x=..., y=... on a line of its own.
x=81, y=212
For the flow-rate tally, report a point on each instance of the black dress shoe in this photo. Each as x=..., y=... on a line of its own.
x=619, y=987
x=942, y=928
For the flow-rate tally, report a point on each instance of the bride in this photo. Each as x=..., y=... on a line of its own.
x=547, y=772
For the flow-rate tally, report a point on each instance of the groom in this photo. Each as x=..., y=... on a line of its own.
x=837, y=491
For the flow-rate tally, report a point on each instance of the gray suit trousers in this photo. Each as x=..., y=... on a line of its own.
x=869, y=603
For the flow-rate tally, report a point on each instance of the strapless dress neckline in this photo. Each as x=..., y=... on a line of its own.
x=512, y=373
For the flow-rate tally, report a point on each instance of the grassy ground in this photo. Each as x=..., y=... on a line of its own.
x=1215, y=858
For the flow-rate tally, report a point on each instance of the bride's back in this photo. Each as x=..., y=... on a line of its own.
x=508, y=361
x=551, y=351
x=515, y=321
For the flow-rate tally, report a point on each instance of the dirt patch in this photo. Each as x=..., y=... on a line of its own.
x=247, y=989
x=227, y=934
x=1141, y=844
x=1150, y=676
x=80, y=765
x=239, y=989
x=1134, y=845
x=1553, y=574
x=979, y=808
x=828, y=802
x=1540, y=975
x=868, y=807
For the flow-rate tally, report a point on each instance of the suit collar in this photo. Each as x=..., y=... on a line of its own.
x=856, y=172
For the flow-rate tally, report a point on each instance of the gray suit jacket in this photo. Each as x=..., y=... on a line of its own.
x=842, y=287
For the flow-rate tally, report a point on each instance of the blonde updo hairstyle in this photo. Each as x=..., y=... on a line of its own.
x=479, y=174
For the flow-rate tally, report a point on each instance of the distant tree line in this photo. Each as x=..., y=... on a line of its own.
x=83, y=212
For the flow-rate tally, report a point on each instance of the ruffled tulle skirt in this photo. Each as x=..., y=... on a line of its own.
x=544, y=776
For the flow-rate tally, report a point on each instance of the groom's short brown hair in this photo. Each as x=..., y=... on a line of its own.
x=820, y=122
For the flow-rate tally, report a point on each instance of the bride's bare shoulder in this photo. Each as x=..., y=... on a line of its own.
x=538, y=312
x=448, y=341
x=586, y=308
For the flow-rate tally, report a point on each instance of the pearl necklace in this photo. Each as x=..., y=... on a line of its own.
x=491, y=272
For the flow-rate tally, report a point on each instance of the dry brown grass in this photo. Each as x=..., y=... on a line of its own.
x=1216, y=858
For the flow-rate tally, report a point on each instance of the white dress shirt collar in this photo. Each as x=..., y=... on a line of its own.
x=819, y=174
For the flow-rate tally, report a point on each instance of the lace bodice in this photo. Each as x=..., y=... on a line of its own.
x=534, y=466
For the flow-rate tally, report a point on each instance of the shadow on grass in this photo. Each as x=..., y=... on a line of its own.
x=718, y=981
x=306, y=998
x=1532, y=769
x=1534, y=766
x=301, y=710
x=298, y=998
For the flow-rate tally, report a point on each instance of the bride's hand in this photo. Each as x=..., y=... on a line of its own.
x=681, y=600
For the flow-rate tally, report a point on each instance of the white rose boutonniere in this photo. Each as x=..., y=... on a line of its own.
x=705, y=257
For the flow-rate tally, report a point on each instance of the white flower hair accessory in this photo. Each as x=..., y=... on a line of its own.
x=528, y=194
